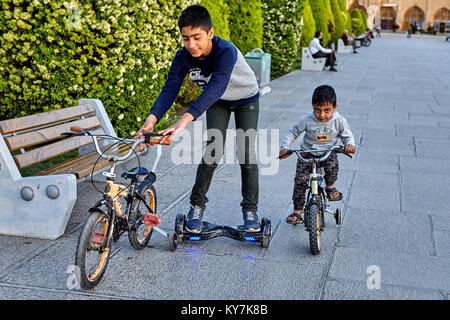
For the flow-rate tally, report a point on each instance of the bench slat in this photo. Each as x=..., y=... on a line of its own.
x=48, y=134
x=40, y=119
x=82, y=166
x=55, y=149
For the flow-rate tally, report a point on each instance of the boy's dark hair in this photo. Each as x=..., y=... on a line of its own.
x=323, y=95
x=317, y=34
x=195, y=16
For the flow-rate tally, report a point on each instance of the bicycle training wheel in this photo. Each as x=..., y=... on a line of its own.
x=93, y=252
x=139, y=233
x=314, y=228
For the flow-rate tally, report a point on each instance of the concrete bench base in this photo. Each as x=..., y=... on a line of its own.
x=343, y=48
x=311, y=64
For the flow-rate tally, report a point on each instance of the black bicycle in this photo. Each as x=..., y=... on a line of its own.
x=122, y=209
x=316, y=204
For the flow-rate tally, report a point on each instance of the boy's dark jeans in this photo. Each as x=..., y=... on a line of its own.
x=246, y=119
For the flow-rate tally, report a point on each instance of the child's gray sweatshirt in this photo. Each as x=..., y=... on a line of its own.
x=319, y=135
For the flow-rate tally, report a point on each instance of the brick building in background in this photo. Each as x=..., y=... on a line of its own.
x=425, y=14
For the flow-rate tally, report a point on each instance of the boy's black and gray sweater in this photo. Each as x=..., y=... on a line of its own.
x=319, y=135
x=224, y=76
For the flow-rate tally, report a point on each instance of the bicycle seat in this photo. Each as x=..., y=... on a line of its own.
x=135, y=173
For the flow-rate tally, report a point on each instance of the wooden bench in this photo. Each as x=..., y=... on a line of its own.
x=311, y=64
x=40, y=205
x=342, y=48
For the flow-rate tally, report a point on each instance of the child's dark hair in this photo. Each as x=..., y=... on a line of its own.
x=195, y=16
x=323, y=95
x=317, y=34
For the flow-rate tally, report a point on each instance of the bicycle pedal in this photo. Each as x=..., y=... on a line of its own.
x=152, y=219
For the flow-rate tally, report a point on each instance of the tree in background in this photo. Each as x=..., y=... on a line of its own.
x=364, y=21
x=346, y=14
x=309, y=25
x=357, y=22
x=319, y=13
x=218, y=10
x=339, y=21
x=282, y=33
x=330, y=18
x=245, y=24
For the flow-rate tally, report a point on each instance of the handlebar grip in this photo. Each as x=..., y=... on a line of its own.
x=76, y=129
x=158, y=141
x=341, y=150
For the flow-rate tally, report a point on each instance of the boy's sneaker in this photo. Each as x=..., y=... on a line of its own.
x=194, y=219
x=251, y=222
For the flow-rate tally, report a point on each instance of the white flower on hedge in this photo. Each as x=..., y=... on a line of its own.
x=131, y=87
x=138, y=119
x=155, y=76
x=120, y=117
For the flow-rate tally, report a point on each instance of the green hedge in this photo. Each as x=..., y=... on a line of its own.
x=320, y=17
x=219, y=11
x=282, y=32
x=246, y=24
x=330, y=18
x=357, y=22
x=309, y=25
x=54, y=53
x=346, y=14
x=339, y=22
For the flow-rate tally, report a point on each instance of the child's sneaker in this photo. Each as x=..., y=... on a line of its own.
x=194, y=219
x=251, y=222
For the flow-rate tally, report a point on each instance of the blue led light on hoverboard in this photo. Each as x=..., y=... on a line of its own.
x=250, y=238
x=194, y=238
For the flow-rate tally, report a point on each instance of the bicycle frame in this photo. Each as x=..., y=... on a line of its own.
x=113, y=190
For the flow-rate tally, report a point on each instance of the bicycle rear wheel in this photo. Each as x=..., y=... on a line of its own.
x=314, y=228
x=139, y=233
x=93, y=251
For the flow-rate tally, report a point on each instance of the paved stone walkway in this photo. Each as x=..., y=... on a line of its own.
x=395, y=236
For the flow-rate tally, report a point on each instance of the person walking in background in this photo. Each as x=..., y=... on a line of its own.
x=317, y=51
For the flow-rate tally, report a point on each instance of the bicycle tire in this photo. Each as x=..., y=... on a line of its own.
x=86, y=243
x=136, y=221
x=314, y=229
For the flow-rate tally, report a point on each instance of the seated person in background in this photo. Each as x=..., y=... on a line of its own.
x=355, y=38
x=348, y=42
x=317, y=51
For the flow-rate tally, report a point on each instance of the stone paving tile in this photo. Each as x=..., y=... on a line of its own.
x=351, y=290
x=424, y=193
x=378, y=191
x=442, y=239
x=410, y=270
x=396, y=231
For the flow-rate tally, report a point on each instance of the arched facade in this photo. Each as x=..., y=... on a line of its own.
x=387, y=13
x=414, y=16
x=441, y=19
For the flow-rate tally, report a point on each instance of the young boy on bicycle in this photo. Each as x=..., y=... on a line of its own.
x=322, y=127
x=229, y=85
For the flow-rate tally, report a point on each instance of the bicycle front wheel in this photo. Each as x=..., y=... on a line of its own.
x=139, y=233
x=93, y=250
x=314, y=228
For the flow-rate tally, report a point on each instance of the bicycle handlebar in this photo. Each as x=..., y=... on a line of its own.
x=77, y=131
x=339, y=149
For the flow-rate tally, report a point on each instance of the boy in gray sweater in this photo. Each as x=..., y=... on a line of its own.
x=322, y=127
